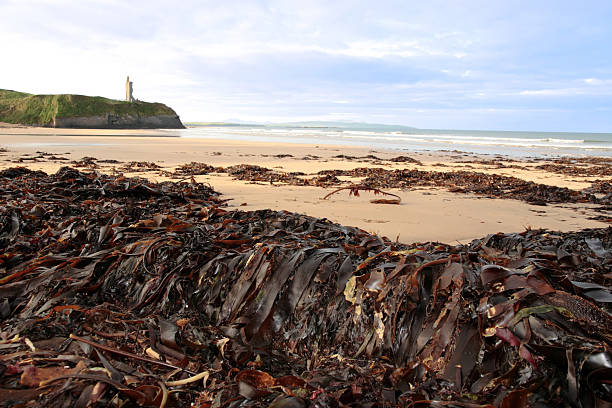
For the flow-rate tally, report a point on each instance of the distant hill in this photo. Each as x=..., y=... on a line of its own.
x=349, y=125
x=80, y=111
x=358, y=126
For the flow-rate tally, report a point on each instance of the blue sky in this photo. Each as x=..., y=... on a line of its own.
x=510, y=65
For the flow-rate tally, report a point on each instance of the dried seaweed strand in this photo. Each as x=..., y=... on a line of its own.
x=130, y=355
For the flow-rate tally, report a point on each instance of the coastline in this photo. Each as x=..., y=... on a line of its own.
x=425, y=213
x=103, y=256
x=517, y=144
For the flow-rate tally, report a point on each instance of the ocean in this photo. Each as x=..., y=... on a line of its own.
x=402, y=138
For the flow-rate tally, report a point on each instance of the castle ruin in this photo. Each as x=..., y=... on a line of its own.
x=128, y=90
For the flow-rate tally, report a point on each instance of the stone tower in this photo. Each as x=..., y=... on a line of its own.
x=128, y=90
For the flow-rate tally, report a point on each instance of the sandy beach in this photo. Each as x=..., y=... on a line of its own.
x=425, y=213
x=305, y=204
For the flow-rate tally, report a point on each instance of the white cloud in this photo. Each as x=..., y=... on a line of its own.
x=289, y=58
x=597, y=81
x=582, y=87
x=550, y=92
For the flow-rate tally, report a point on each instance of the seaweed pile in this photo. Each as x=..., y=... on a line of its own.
x=489, y=185
x=405, y=159
x=580, y=166
x=40, y=156
x=253, y=173
x=120, y=292
x=483, y=184
x=249, y=172
x=139, y=167
x=87, y=162
x=577, y=171
x=191, y=169
x=472, y=182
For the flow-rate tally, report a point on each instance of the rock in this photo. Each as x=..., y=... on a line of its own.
x=127, y=121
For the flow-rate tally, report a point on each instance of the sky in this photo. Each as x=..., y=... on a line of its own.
x=483, y=64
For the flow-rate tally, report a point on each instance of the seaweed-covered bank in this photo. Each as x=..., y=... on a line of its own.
x=117, y=291
x=86, y=112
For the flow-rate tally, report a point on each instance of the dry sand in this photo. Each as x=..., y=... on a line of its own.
x=430, y=214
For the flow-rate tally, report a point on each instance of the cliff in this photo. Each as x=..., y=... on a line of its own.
x=79, y=111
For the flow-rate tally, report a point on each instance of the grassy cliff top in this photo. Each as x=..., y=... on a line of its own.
x=29, y=109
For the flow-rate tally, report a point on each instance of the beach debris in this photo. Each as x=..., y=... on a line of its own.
x=369, y=157
x=191, y=169
x=85, y=162
x=109, y=161
x=355, y=188
x=467, y=182
x=57, y=158
x=488, y=185
x=579, y=166
x=405, y=159
x=139, y=167
x=577, y=170
x=497, y=163
x=278, y=156
x=117, y=291
x=40, y=156
x=602, y=188
x=462, y=182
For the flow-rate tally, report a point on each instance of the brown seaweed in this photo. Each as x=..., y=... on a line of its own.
x=489, y=185
x=355, y=189
x=116, y=291
x=467, y=182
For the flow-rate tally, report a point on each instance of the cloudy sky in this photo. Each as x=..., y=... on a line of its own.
x=486, y=64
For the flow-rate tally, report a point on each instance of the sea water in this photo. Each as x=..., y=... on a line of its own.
x=401, y=138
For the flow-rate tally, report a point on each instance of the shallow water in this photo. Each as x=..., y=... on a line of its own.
x=520, y=144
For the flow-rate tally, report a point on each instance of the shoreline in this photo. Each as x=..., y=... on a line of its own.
x=513, y=144
x=425, y=214
x=349, y=138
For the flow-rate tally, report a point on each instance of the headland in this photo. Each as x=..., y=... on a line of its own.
x=84, y=112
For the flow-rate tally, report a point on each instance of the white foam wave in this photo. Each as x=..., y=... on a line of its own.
x=479, y=142
x=467, y=140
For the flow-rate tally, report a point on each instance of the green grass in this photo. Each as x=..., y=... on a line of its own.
x=28, y=109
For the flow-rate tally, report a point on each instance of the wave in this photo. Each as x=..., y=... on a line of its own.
x=518, y=143
x=403, y=136
x=475, y=140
